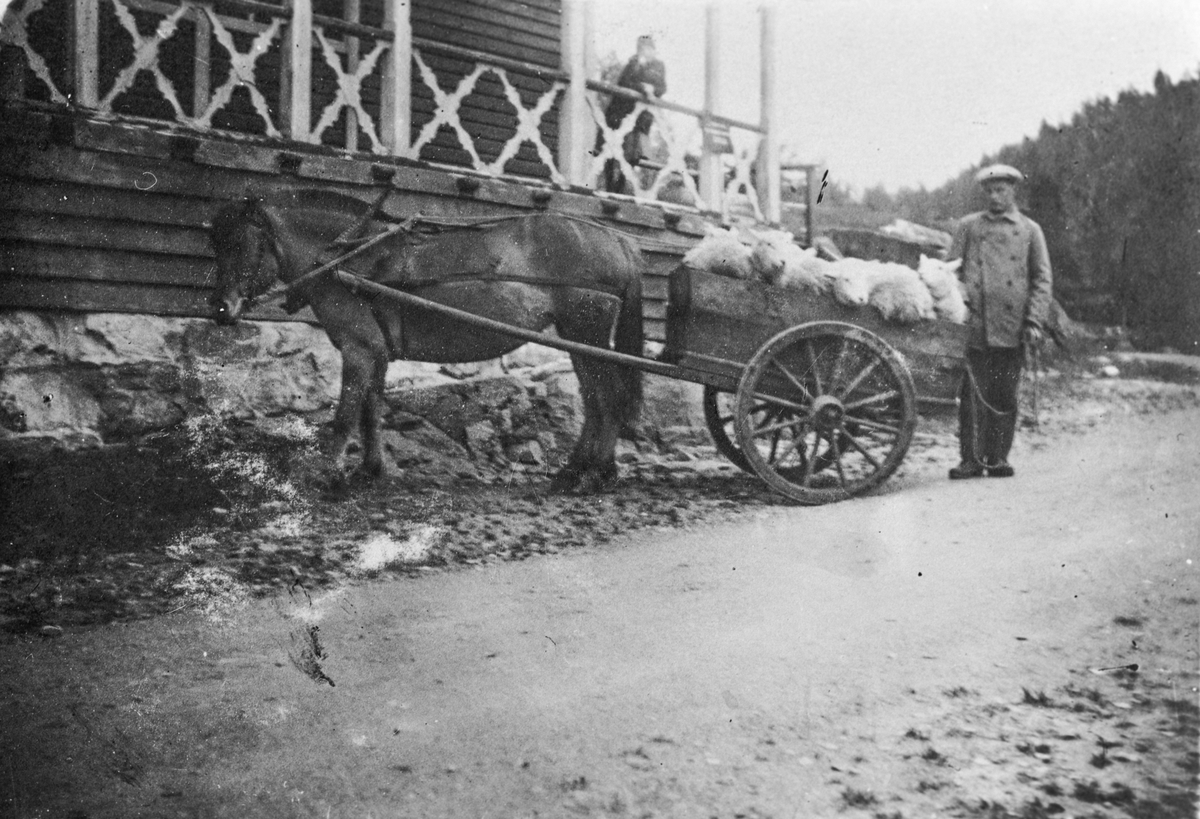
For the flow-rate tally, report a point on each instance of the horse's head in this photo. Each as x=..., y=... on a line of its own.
x=248, y=254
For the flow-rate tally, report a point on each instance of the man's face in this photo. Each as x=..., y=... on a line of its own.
x=1001, y=195
x=646, y=51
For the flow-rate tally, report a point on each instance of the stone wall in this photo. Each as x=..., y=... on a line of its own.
x=109, y=377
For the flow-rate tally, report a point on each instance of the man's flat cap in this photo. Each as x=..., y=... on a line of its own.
x=994, y=173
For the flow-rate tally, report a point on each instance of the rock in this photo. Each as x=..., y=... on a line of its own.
x=1110, y=371
x=480, y=437
x=527, y=452
x=51, y=631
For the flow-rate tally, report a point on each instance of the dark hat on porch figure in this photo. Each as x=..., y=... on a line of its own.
x=999, y=173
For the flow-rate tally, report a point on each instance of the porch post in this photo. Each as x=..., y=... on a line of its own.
x=574, y=133
x=712, y=170
x=86, y=53
x=768, y=150
x=299, y=49
x=396, y=101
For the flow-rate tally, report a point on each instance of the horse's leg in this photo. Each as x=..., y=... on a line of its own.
x=583, y=455
x=596, y=448
x=372, y=415
x=358, y=368
x=611, y=396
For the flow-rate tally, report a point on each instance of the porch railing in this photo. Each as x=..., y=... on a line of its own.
x=281, y=71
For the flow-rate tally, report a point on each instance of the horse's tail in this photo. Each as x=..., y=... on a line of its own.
x=628, y=337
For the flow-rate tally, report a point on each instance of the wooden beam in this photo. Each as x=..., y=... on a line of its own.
x=712, y=171
x=202, y=72
x=351, y=11
x=768, y=150
x=396, y=95
x=86, y=53
x=299, y=68
x=576, y=130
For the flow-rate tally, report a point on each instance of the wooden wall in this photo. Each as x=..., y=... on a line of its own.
x=110, y=217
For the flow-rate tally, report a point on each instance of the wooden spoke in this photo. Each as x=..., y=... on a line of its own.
x=792, y=446
x=811, y=460
x=874, y=399
x=874, y=425
x=795, y=381
x=780, y=426
x=781, y=402
x=858, y=379
x=854, y=443
x=812, y=363
x=837, y=459
x=836, y=371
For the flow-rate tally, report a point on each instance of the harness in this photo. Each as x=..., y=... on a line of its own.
x=416, y=230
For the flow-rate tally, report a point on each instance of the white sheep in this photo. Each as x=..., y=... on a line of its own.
x=803, y=270
x=900, y=296
x=851, y=281
x=721, y=252
x=941, y=279
x=771, y=248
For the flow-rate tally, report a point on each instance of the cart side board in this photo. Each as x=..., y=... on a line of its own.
x=716, y=324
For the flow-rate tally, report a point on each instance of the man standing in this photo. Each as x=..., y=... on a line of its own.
x=1006, y=273
x=647, y=75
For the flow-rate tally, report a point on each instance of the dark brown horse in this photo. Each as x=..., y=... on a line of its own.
x=534, y=272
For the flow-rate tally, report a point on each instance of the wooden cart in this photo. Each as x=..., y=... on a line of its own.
x=818, y=399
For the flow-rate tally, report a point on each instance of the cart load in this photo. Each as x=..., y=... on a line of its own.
x=900, y=294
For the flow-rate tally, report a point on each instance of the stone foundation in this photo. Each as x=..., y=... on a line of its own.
x=110, y=377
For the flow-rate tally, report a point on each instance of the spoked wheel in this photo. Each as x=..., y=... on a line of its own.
x=825, y=411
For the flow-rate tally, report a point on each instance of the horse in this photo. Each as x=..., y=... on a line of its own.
x=530, y=271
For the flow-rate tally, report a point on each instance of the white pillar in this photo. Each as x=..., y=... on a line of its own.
x=87, y=53
x=396, y=100
x=576, y=132
x=768, y=152
x=300, y=70
x=712, y=172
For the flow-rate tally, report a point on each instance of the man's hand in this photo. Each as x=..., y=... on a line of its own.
x=1031, y=336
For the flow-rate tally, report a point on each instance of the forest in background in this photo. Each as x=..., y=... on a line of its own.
x=1117, y=192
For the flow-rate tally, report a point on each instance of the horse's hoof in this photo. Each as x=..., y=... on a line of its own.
x=596, y=481
x=371, y=471
x=564, y=482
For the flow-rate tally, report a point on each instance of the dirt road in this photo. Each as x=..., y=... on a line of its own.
x=944, y=649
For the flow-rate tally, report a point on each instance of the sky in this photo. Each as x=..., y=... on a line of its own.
x=906, y=93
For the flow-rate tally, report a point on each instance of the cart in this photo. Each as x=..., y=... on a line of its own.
x=818, y=399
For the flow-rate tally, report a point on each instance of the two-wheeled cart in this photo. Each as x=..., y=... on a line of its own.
x=818, y=399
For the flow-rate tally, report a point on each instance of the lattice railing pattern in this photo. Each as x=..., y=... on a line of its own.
x=447, y=106
x=678, y=134
x=14, y=32
x=350, y=87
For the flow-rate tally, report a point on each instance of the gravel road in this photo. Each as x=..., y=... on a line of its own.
x=988, y=648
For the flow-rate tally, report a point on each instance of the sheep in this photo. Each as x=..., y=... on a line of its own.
x=945, y=288
x=767, y=257
x=851, y=281
x=721, y=252
x=900, y=296
x=803, y=270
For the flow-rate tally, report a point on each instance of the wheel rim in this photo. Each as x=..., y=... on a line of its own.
x=825, y=411
x=720, y=411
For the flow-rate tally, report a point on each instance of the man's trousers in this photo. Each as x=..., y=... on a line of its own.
x=987, y=410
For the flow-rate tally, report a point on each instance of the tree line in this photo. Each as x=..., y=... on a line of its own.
x=1117, y=192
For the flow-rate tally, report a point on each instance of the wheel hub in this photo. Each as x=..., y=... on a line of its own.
x=828, y=413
